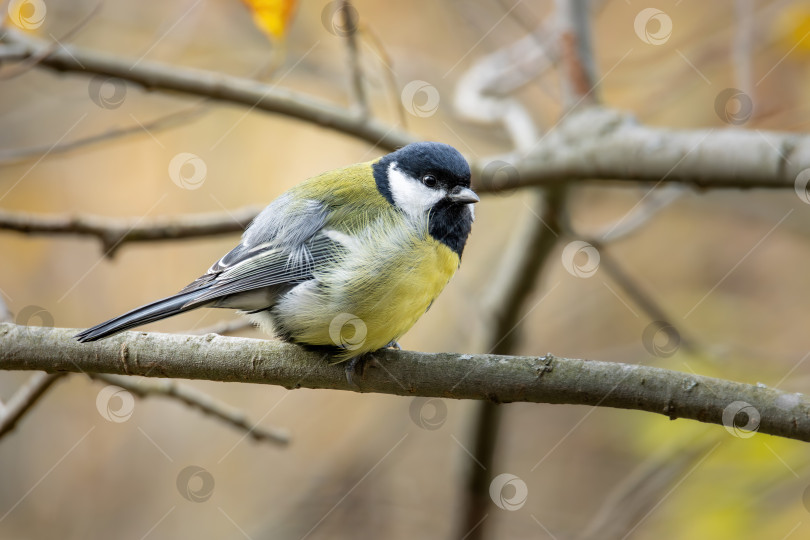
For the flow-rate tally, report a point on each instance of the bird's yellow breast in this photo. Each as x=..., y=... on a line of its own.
x=375, y=293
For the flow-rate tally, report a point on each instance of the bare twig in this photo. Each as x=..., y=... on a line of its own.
x=197, y=400
x=546, y=379
x=24, y=398
x=348, y=14
x=594, y=143
x=8, y=156
x=637, y=494
x=216, y=86
x=114, y=233
x=31, y=61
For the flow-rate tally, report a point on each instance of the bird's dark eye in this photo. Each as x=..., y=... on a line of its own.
x=429, y=180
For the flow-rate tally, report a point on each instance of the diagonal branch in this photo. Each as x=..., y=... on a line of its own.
x=197, y=400
x=546, y=379
x=24, y=398
x=217, y=86
x=594, y=143
x=114, y=233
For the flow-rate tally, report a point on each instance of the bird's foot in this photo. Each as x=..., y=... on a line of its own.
x=357, y=366
x=393, y=345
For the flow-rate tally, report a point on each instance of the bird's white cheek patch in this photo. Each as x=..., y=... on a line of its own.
x=411, y=195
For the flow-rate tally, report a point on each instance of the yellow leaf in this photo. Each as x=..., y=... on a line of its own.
x=271, y=16
x=792, y=28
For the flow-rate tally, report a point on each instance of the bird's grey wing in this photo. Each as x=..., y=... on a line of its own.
x=282, y=246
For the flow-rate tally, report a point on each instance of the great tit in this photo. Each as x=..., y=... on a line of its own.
x=348, y=260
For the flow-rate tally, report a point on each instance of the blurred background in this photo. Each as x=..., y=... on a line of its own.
x=727, y=266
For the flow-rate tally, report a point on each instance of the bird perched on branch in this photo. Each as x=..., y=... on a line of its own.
x=348, y=260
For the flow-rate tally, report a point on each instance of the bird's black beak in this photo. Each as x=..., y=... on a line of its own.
x=462, y=195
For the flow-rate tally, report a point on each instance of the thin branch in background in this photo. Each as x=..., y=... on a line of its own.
x=196, y=399
x=638, y=493
x=644, y=301
x=30, y=62
x=389, y=75
x=349, y=16
x=115, y=233
x=24, y=399
x=652, y=204
x=171, y=120
x=216, y=86
x=742, y=49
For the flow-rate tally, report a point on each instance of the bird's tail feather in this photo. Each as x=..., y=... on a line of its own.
x=155, y=311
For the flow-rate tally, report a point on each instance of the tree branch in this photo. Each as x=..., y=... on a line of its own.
x=196, y=400
x=594, y=143
x=604, y=144
x=546, y=379
x=114, y=233
x=24, y=398
x=216, y=86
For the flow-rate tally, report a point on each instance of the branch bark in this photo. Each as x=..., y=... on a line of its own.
x=546, y=379
x=595, y=143
x=114, y=233
x=213, y=85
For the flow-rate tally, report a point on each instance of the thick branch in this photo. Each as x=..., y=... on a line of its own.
x=593, y=143
x=546, y=379
x=113, y=233
x=605, y=144
x=217, y=86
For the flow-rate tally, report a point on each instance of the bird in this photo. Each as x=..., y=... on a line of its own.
x=345, y=261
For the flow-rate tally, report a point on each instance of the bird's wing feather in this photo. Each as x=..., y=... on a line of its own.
x=271, y=266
